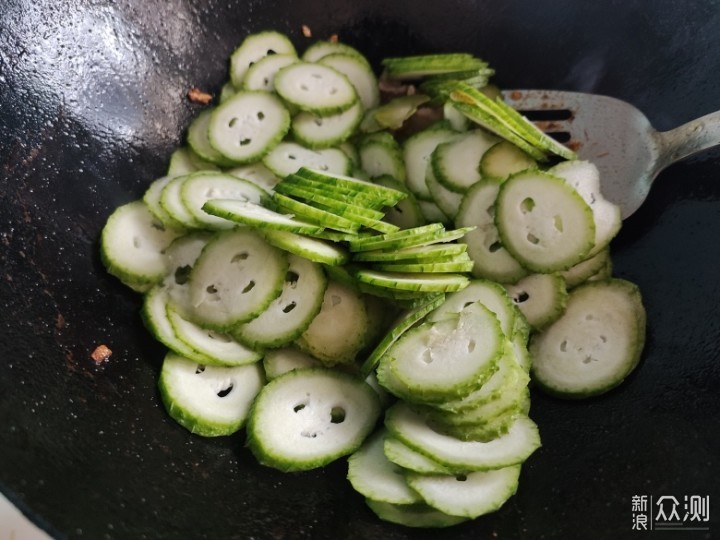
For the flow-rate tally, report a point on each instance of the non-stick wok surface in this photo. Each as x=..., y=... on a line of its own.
x=93, y=102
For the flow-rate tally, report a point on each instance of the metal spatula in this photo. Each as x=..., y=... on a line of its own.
x=615, y=136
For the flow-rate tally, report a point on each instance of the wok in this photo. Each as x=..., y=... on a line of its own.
x=93, y=102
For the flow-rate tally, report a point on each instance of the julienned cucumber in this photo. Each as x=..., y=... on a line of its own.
x=274, y=238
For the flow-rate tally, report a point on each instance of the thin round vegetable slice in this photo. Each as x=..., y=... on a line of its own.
x=315, y=88
x=310, y=417
x=313, y=249
x=208, y=400
x=544, y=222
x=132, y=243
x=255, y=47
x=235, y=278
x=374, y=476
x=291, y=313
x=248, y=125
x=595, y=344
x=467, y=495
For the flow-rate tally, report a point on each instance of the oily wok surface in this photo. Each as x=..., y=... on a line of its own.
x=92, y=102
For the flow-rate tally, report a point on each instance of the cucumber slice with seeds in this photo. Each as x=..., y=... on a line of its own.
x=291, y=313
x=289, y=157
x=492, y=260
x=152, y=197
x=450, y=357
x=595, y=344
x=469, y=495
x=540, y=297
x=261, y=75
x=402, y=325
x=308, y=418
x=199, y=187
x=131, y=245
x=235, y=278
x=211, y=401
x=198, y=138
x=316, y=132
x=315, y=88
x=255, y=47
x=544, y=222
x=248, y=125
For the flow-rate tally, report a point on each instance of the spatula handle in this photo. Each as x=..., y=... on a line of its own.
x=689, y=139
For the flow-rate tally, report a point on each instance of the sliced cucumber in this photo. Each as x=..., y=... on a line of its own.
x=320, y=49
x=407, y=458
x=584, y=270
x=198, y=138
x=359, y=73
x=218, y=349
x=447, y=201
x=380, y=154
x=585, y=178
x=198, y=188
x=417, y=67
x=468, y=495
x=492, y=260
x=255, y=47
x=257, y=173
x=458, y=265
x=402, y=325
x=308, y=418
x=540, y=297
x=261, y=74
x=235, y=278
x=413, y=281
x=258, y=216
x=152, y=199
x=288, y=157
x=417, y=151
x=405, y=214
x=131, y=245
x=374, y=476
x=208, y=400
x=456, y=163
x=181, y=163
x=490, y=294
x=413, y=515
x=543, y=222
x=317, y=132
x=448, y=358
x=431, y=253
x=463, y=456
x=279, y=361
x=393, y=114
x=313, y=249
x=315, y=88
x=291, y=313
x=596, y=343
x=248, y=125
x=339, y=331
x=505, y=159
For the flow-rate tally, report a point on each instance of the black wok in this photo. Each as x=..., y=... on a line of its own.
x=92, y=101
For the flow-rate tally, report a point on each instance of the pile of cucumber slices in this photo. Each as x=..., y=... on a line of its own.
x=345, y=271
